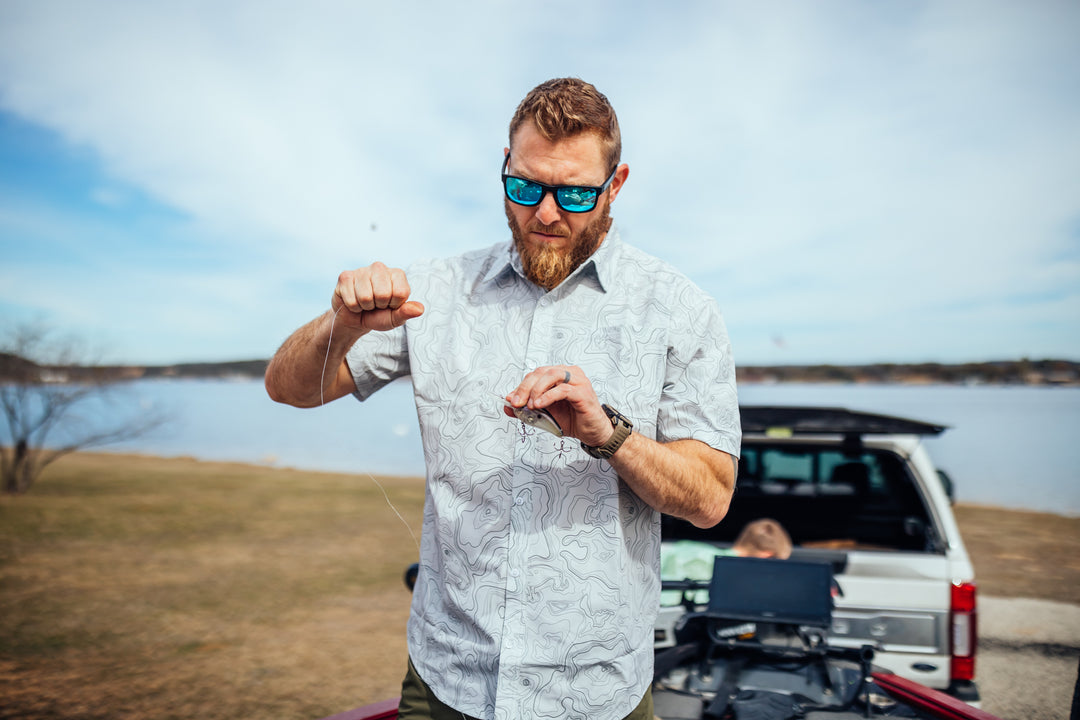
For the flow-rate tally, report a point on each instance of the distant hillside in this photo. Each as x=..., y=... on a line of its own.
x=14, y=368
x=1005, y=372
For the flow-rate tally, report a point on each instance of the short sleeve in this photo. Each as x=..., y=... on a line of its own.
x=377, y=359
x=699, y=400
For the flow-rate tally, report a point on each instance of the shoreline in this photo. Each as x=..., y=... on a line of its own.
x=1052, y=372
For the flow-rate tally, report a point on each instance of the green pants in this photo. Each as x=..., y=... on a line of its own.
x=419, y=703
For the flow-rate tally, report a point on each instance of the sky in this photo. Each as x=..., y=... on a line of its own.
x=853, y=181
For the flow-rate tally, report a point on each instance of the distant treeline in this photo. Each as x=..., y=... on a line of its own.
x=1004, y=372
x=16, y=369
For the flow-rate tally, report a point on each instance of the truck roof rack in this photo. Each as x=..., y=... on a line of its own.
x=784, y=421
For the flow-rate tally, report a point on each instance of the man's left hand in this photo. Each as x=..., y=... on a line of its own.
x=566, y=393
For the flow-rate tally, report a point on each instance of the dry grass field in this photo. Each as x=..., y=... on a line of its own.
x=1022, y=554
x=135, y=587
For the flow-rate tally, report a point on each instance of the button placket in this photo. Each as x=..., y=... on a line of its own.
x=514, y=640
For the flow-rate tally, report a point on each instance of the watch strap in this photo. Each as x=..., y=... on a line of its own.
x=623, y=428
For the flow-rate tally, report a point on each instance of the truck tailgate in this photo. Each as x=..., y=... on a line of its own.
x=899, y=603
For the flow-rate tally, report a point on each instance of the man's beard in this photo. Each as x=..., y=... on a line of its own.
x=547, y=266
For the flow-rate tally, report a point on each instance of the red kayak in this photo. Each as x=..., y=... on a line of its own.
x=927, y=702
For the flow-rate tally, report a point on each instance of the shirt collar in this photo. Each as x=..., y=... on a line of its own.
x=604, y=260
x=600, y=266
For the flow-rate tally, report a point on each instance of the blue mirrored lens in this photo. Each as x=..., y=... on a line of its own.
x=523, y=191
x=576, y=199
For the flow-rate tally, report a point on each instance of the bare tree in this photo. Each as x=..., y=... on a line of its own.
x=45, y=394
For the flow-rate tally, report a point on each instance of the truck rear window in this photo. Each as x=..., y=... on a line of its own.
x=826, y=496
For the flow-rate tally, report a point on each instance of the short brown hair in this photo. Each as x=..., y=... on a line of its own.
x=765, y=536
x=564, y=107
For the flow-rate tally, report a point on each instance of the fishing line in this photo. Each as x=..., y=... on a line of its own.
x=322, y=401
x=322, y=378
x=407, y=527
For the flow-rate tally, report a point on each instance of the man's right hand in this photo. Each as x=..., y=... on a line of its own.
x=375, y=298
x=309, y=368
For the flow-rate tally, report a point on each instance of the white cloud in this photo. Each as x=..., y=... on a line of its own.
x=832, y=165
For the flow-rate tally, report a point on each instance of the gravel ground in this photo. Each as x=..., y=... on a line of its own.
x=1029, y=654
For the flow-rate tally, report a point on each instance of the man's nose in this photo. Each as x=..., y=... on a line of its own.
x=547, y=211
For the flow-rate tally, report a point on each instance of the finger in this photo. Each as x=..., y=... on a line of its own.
x=535, y=387
x=559, y=375
x=399, y=290
x=521, y=395
x=382, y=286
x=384, y=319
x=357, y=291
x=389, y=287
x=556, y=391
x=345, y=292
x=566, y=382
x=407, y=311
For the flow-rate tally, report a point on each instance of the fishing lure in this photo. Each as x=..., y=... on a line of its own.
x=539, y=418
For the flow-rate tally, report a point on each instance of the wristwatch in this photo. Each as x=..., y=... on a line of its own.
x=622, y=431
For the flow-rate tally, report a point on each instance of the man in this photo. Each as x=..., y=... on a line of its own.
x=539, y=563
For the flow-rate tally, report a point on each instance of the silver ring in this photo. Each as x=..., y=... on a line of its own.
x=567, y=378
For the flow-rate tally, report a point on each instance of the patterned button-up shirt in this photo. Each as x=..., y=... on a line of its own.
x=539, y=569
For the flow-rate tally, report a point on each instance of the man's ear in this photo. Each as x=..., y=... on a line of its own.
x=621, y=173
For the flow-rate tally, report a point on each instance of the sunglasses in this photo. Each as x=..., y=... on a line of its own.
x=571, y=198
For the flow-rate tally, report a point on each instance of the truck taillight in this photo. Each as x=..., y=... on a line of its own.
x=963, y=631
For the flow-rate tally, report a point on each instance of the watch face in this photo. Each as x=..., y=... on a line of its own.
x=616, y=417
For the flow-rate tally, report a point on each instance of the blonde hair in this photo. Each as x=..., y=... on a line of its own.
x=764, y=537
x=564, y=107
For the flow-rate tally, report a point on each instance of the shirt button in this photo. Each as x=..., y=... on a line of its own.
x=520, y=501
x=515, y=572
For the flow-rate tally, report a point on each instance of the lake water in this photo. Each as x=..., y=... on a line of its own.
x=1014, y=447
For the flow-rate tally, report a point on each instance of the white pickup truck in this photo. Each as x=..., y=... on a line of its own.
x=860, y=492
